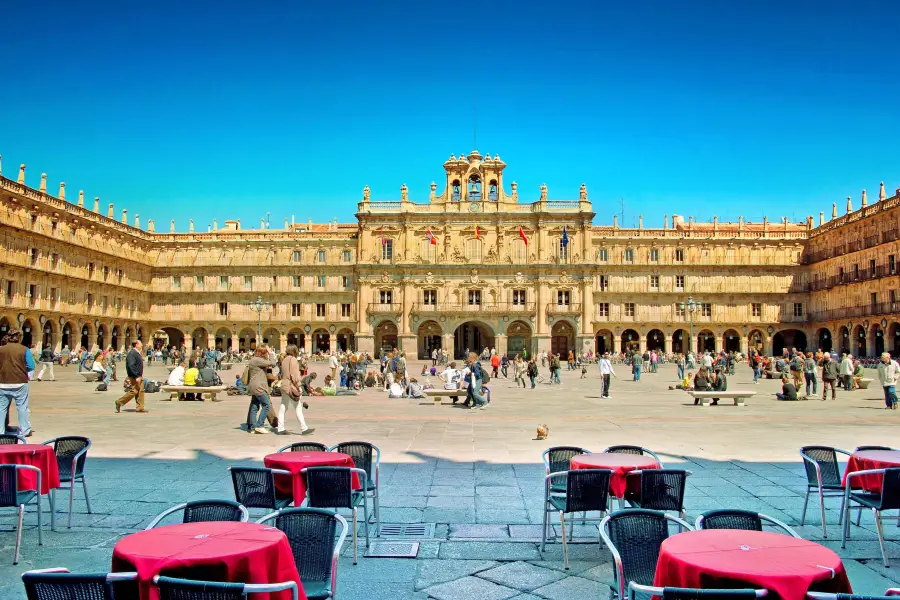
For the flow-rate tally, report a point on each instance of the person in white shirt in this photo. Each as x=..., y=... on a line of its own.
x=176, y=377
x=451, y=378
x=707, y=360
x=888, y=373
x=606, y=371
x=333, y=363
x=847, y=372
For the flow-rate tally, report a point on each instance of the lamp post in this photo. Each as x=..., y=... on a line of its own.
x=690, y=307
x=258, y=307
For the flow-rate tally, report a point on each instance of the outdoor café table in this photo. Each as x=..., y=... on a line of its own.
x=35, y=455
x=296, y=462
x=619, y=464
x=723, y=558
x=223, y=551
x=870, y=459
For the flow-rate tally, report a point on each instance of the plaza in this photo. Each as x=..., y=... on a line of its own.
x=476, y=475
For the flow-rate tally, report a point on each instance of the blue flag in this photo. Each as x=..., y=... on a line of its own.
x=565, y=238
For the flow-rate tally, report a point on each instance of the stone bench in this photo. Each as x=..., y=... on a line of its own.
x=90, y=376
x=864, y=382
x=737, y=395
x=437, y=394
x=175, y=391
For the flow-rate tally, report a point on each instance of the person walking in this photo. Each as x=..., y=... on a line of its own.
x=46, y=363
x=532, y=371
x=680, y=363
x=847, y=372
x=829, y=375
x=258, y=387
x=134, y=370
x=290, y=392
x=606, y=371
x=796, y=366
x=495, y=365
x=519, y=370
x=476, y=376
x=636, y=364
x=16, y=362
x=554, y=368
x=434, y=357
x=809, y=374
x=888, y=373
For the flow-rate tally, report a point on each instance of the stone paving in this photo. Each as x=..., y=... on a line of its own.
x=476, y=474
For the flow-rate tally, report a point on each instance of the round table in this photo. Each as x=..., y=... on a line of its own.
x=296, y=462
x=216, y=551
x=619, y=464
x=870, y=459
x=720, y=558
x=37, y=455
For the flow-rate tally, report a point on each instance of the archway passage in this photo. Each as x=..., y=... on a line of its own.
x=101, y=337
x=706, y=341
x=562, y=339
x=114, y=338
x=385, y=337
x=878, y=338
x=755, y=341
x=176, y=337
x=518, y=340
x=859, y=341
x=824, y=339
x=223, y=340
x=199, y=338
x=321, y=341
x=732, y=341
x=67, y=335
x=85, y=336
x=346, y=340
x=5, y=326
x=679, y=339
x=844, y=340
x=247, y=340
x=296, y=337
x=472, y=336
x=47, y=339
x=272, y=339
x=28, y=333
x=788, y=339
x=428, y=338
x=604, y=342
x=894, y=338
x=656, y=340
x=630, y=341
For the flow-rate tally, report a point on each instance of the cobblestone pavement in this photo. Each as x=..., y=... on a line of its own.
x=476, y=474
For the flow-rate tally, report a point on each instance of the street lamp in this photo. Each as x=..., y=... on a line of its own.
x=258, y=307
x=690, y=307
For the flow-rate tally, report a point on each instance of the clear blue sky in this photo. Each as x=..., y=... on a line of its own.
x=178, y=110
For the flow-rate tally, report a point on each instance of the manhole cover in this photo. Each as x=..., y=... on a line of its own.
x=392, y=550
x=405, y=531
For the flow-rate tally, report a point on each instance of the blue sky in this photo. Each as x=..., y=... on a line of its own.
x=229, y=110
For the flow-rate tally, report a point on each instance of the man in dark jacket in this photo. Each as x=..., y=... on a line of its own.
x=134, y=369
x=788, y=390
x=829, y=375
x=15, y=363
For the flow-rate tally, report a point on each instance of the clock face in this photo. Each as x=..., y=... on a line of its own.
x=473, y=207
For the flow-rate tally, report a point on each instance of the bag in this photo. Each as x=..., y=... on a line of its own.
x=485, y=378
x=151, y=387
x=102, y=387
x=208, y=378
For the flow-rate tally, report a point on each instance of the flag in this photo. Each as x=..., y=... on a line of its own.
x=565, y=238
x=522, y=235
x=477, y=234
x=431, y=239
x=381, y=231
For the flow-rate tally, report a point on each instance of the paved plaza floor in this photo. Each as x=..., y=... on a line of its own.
x=476, y=474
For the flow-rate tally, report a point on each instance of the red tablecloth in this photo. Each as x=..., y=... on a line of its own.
x=217, y=551
x=37, y=455
x=870, y=459
x=720, y=558
x=619, y=464
x=296, y=462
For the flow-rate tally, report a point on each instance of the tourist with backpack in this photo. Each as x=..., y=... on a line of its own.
x=477, y=377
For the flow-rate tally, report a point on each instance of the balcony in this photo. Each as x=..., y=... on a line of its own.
x=377, y=308
x=862, y=310
x=497, y=308
x=573, y=308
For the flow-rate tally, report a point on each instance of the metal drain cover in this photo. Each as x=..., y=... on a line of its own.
x=392, y=550
x=405, y=531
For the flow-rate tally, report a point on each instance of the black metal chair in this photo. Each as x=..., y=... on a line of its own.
x=585, y=490
x=557, y=460
x=199, y=511
x=864, y=448
x=310, y=532
x=633, y=537
x=673, y=593
x=11, y=438
x=304, y=447
x=71, y=454
x=891, y=592
x=887, y=499
x=661, y=489
x=626, y=449
x=171, y=588
x=58, y=583
x=367, y=457
x=12, y=497
x=254, y=487
x=823, y=474
x=332, y=487
x=733, y=518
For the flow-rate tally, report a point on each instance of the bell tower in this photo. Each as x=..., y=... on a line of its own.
x=474, y=178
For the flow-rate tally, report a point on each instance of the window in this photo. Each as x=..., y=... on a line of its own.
x=223, y=309
x=90, y=301
x=428, y=251
x=856, y=271
x=841, y=275
x=429, y=297
x=105, y=272
x=563, y=250
x=223, y=282
x=34, y=256
x=518, y=252
x=873, y=298
x=274, y=308
x=346, y=256
x=296, y=310
x=118, y=303
x=11, y=290
x=345, y=310
x=32, y=294
x=387, y=249
x=603, y=309
x=131, y=306
x=756, y=309
x=679, y=282
x=654, y=255
x=519, y=297
x=54, y=297
x=295, y=281
x=320, y=256
x=798, y=309
x=679, y=255
x=320, y=281
x=654, y=282
x=90, y=270
x=893, y=299
x=176, y=282
x=604, y=282
x=385, y=297
x=892, y=264
x=705, y=309
x=602, y=255
x=320, y=310
x=54, y=262
x=872, y=268
x=473, y=250
x=679, y=309
x=297, y=256
x=563, y=297
x=345, y=282
x=248, y=281
x=199, y=280
x=629, y=255
x=104, y=302
x=274, y=282
x=629, y=309
x=119, y=274
x=474, y=297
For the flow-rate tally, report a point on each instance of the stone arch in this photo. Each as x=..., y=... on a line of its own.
x=858, y=343
x=756, y=340
x=199, y=338
x=473, y=336
x=893, y=338
x=519, y=339
x=223, y=339
x=428, y=338
x=175, y=337
x=876, y=339
x=679, y=341
x=102, y=336
x=603, y=341
x=706, y=341
x=129, y=336
x=5, y=325
x=115, y=339
x=247, y=339
x=321, y=340
x=346, y=340
x=631, y=341
x=787, y=339
x=84, y=334
x=562, y=338
x=843, y=340
x=385, y=337
x=296, y=337
x=30, y=333
x=656, y=340
x=139, y=333
x=48, y=334
x=732, y=340
x=68, y=334
x=272, y=338
x=823, y=339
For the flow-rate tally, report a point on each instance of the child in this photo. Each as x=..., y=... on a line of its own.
x=685, y=383
x=241, y=387
x=424, y=370
x=583, y=371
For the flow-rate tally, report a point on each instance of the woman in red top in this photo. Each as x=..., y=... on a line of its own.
x=495, y=364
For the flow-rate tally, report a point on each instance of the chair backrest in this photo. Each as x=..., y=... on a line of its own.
x=663, y=489
x=674, y=593
x=200, y=511
x=184, y=589
x=826, y=458
x=637, y=535
x=864, y=448
x=304, y=447
x=254, y=487
x=558, y=458
x=890, y=594
x=53, y=586
x=364, y=455
x=310, y=532
x=625, y=449
x=730, y=519
x=587, y=489
x=66, y=448
x=329, y=487
x=9, y=485
x=10, y=438
x=890, y=489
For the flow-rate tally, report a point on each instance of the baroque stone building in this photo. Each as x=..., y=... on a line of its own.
x=474, y=266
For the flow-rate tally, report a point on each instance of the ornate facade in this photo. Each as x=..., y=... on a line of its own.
x=473, y=266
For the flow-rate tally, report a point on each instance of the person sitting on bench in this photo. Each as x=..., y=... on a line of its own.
x=190, y=378
x=858, y=373
x=788, y=390
x=720, y=383
x=701, y=382
x=176, y=377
